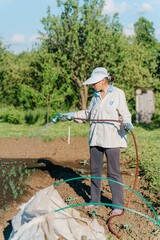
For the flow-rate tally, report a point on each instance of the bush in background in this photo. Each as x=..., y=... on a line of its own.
x=10, y=114
x=37, y=116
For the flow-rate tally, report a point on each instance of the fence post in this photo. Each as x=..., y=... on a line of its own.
x=69, y=134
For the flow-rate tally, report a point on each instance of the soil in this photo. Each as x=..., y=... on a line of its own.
x=58, y=160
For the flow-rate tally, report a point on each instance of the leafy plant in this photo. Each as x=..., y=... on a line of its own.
x=14, y=116
x=11, y=175
x=70, y=199
x=35, y=116
x=3, y=172
x=84, y=162
x=82, y=171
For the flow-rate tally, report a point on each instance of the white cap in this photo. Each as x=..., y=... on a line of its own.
x=97, y=75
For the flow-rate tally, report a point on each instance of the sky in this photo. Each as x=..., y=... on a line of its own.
x=20, y=20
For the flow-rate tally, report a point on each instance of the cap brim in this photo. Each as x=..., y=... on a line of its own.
x=94, y=79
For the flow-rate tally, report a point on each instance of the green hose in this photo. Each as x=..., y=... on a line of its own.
x=156, y=221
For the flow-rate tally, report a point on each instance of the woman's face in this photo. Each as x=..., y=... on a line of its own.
x=101, y=85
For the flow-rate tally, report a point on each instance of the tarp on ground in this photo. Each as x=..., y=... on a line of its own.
x=38, y=220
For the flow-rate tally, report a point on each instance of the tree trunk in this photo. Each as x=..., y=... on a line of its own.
x=84, y=97
x=48, y=108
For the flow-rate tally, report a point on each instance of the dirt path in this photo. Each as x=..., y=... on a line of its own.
x=61, y=161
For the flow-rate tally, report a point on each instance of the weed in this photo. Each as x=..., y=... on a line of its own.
x=81, y=171
x=70, y=199
x=3, y=172
x=84, y=162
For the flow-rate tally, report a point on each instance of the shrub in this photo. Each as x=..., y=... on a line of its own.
x=35, y=116
x=12, y=115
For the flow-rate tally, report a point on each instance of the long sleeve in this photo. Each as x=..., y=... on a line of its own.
x=123, y=108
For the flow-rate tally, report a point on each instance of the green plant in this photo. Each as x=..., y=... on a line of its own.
x=84, y=162
x=70, y=199
x=3, y=172
x=14, y=116
x=35, y=116
x=81, y=171
x=12, y=172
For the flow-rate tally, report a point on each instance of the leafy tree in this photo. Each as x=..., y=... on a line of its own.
x=78, y=39
x=10, y=78
x=49, y=84
x=28, y=97
x=73, y=44
x=144, y=31
x=3, y=53
x=145, y=38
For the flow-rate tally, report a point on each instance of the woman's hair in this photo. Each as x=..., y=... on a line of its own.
x=110, y=79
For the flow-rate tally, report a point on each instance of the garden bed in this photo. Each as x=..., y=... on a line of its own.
x=58, y=161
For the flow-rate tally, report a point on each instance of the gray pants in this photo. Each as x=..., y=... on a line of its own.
x=113, y=172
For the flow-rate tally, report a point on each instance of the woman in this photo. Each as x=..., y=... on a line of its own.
x=106, y=138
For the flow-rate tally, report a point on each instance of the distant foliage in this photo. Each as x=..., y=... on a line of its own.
x=81, y=38
x=12, y=115
x=35, y=116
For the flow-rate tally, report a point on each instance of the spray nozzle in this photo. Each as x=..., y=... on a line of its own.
x=63, y=117
x=57, y=117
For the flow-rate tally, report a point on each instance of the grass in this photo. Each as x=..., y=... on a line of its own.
x=148, y=141
x=48, y=131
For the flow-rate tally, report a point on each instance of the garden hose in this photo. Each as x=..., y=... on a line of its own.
x=157, y=221
x=136, y=172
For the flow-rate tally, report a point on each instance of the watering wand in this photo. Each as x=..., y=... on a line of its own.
x=56, y=118
x=63, y=117
x=71, y=116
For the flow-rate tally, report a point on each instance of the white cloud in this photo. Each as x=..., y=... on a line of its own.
x=145, y=8
x=111, y=7
x=21, y=39
x=18, y=38
x=19, y=43
x=33, y=38
x=129, y=30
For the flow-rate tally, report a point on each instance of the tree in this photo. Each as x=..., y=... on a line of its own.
x=144, y=32
x=10, y=79
x=49, y=84
x=78, y=41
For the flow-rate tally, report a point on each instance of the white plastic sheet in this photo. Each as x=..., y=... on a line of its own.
x=37, y=220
